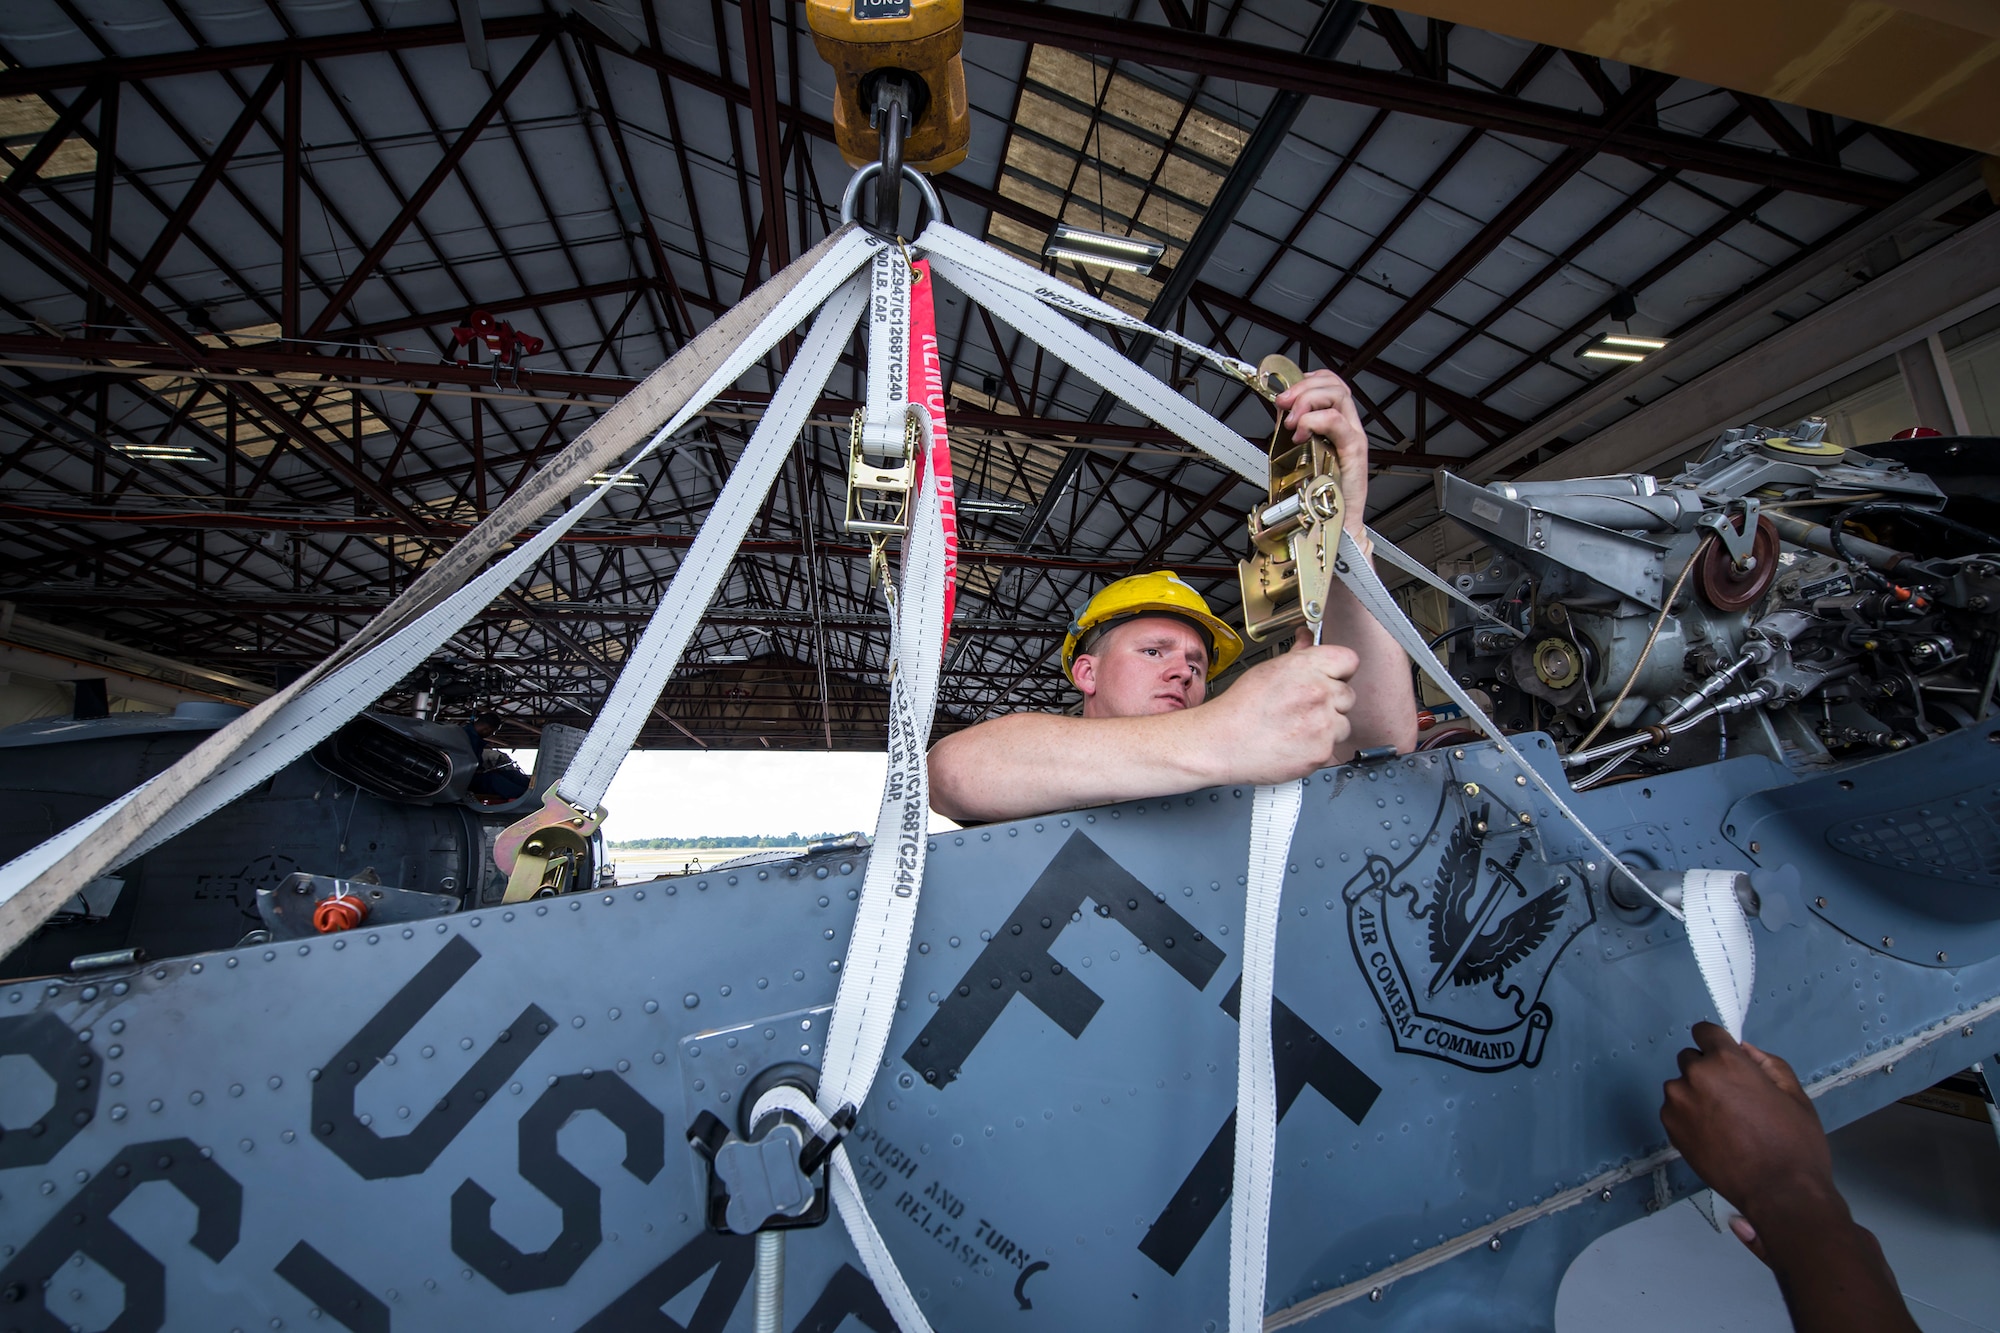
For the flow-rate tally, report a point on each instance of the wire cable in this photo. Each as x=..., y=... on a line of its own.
x=1666, y=609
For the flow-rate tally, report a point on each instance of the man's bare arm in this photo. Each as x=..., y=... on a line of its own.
x=1385, y=705
x=1282, y=719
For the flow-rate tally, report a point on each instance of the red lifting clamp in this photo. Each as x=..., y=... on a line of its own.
x=341, y=912
x=507, y=343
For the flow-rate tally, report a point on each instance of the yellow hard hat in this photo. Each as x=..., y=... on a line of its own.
x=1158, y=593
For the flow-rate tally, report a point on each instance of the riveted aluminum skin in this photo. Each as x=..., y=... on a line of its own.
x=480, y=1120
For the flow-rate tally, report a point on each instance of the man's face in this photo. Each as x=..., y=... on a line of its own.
x=1155, y=664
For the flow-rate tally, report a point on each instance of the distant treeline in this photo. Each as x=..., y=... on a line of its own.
x=746, y=840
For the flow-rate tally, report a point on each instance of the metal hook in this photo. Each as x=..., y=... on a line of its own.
x=851, y=197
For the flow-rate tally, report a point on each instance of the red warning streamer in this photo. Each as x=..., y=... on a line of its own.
x=927, y=387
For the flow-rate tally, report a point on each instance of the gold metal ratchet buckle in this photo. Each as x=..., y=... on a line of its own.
x=548, y=851
x=881, y=473
x=1295, y=533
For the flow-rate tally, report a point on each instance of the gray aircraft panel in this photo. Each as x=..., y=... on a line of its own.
x=480, y=1121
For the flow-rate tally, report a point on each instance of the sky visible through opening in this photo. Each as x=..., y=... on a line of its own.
x=712, y=793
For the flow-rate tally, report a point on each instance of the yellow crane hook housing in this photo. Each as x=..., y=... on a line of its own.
x=912, y=42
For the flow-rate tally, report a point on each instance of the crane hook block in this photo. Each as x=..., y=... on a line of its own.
x=918, y=40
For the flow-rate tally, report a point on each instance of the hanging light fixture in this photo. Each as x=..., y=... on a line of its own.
x=1620, y=347
x=617, y=479
x=1102, y=249
x=162, y=452
x=1009, y=507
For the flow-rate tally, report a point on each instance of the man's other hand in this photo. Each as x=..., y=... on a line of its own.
x=1322, y=404
x=1286, y=717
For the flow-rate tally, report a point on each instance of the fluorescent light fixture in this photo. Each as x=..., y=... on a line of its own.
x=617, y=479
x=1103, y=249
x=992, y=507
x=1626, y=347
x=169, y=453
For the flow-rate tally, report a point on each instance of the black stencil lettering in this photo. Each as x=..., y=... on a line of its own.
x=848, y=1292
x=374, y=1157
x=329, y=1288
x=47, y=1041
x=638, y=1310
x=543, y=1166
x=1016, y=961
x=84, y=1226
x=1302, y=1059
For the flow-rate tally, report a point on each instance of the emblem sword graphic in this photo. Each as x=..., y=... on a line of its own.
x=1485, y=948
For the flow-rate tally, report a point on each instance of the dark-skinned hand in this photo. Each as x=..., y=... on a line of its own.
x=1743, y=1122
x=1740, y=1118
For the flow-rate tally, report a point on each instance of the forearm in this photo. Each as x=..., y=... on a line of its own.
x=1385, y=706
x=1027, y=764
x=1831, y=1270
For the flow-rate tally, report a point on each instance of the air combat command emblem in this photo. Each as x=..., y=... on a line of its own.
x=1458, y=938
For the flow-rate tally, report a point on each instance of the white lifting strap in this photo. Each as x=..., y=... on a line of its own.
x=1719, y=933
x=1387, y=550
x=278, y=731
x=878, y=948
x=707, y=561
x=1027, y=301
x=1274, y=813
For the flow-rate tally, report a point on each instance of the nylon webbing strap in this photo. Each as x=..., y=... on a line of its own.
x=257, y=745
x=1360, y=579
x=992, y=280
x=1274, y=813
x=876, y=1260
x=707, y=561
x=927, y=387
x=888, y=352
x=1718, y=932
x=878, y=951
x=1409, y=564
x=940, y=238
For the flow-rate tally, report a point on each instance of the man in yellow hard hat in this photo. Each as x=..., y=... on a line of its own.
x=1142, y=654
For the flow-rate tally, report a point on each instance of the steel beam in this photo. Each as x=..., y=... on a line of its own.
x=1639, y=98
x=44, y=518
x=1263, y=66
x=288, y=200
x=365, y=269
x=66, y=124
x=211, y=171
x=52, y=241
x=31, y=79
x=760, y=62
x=1164, y=47
x=1950, y=282
x=1329, y=34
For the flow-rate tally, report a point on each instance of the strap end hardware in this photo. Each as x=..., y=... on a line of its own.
x=547, y=852
x=881, y=473
x=1295, y=535
x=760, y=1184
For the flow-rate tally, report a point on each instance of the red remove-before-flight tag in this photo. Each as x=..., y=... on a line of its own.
x=927, y=387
